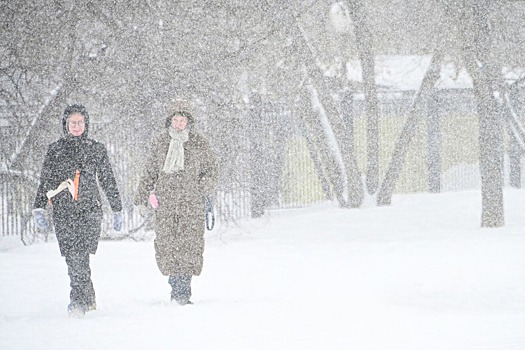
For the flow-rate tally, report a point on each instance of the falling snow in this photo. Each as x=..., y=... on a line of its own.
x=312, y=108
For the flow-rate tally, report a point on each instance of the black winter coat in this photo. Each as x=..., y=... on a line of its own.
x=78, y=223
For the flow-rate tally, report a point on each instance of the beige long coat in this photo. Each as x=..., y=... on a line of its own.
x=180, y=216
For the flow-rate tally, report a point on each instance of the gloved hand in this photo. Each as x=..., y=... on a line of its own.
x=118, y=218
x=153, y=200
x=40, y=217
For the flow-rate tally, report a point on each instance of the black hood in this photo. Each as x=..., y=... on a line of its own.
x=74, y=109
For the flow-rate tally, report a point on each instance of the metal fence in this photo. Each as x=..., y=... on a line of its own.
x=16, y=200
x=275, y=173
x=261, y=167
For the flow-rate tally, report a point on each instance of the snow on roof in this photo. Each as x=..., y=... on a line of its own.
x=405, y=73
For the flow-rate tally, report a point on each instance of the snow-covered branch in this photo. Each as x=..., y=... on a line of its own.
x=54, y=93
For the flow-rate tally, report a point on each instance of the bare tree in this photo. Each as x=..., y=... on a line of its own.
x=350, y=173
x=477, y=50
x=384, y=196
x=126, y=61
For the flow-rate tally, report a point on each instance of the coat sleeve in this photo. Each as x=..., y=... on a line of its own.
x=107, y=180
x=209, y=172
x=46, y=180
x=149, y=176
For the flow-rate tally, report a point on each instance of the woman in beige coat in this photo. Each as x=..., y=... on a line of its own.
x=180, y=171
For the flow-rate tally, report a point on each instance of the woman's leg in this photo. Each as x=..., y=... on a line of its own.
x=82, y=296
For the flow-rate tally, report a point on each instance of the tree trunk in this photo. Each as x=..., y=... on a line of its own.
x=315, y=153
x=434, y=144
x=317, y=136
x=487, y=89
x=366, y=56
x=350, y=174
x=396, y=163
x=353, y=176
x=491, y=150
x=516, y=134
x=258, y=166
x=514, y=161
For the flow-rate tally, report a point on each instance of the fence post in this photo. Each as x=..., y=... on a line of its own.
x=434, y=143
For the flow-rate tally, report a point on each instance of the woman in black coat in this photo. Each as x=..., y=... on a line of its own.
x=68, y=184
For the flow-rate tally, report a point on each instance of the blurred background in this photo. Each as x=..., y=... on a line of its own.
x=303, y=101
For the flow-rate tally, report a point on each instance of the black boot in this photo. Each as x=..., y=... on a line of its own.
x=181, y=289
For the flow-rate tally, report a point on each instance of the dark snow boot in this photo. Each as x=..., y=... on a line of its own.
x=181, y=288
x=181, y=301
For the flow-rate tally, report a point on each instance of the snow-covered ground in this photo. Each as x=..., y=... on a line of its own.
x=419, y=274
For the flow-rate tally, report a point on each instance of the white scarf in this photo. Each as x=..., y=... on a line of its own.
x=175, y=158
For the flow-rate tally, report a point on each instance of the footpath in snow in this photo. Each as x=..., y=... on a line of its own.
x=419, y=274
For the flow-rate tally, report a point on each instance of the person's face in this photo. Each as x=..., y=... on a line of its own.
x=179, y=122
x=76, y=125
